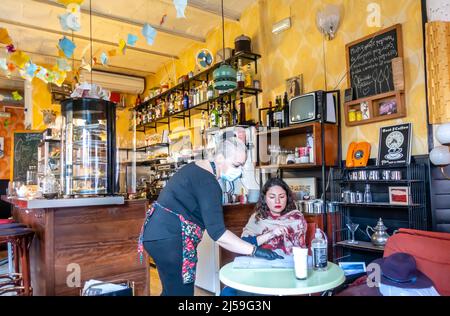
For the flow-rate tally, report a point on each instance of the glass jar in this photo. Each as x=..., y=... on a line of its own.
x=352, y=115
x=359, y=116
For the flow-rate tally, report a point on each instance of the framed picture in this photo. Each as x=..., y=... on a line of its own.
x=365, y=110
x=302, y=187
x=294, y=86
x=399, y=195
x=395, y=145
x=351, y=268
x=2, y=147
x=387, y=107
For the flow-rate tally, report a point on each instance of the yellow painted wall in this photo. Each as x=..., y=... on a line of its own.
x=299, y=50
x=42, y=100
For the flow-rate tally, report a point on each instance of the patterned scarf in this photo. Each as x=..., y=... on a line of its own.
x=294, y=221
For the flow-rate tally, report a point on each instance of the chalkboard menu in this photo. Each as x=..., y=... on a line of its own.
x=395, y=145
x=25, y=153
x=369, y=62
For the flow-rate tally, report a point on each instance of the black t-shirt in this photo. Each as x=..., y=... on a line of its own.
x=194, y=193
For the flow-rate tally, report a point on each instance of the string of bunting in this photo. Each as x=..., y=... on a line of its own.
x=16, y=59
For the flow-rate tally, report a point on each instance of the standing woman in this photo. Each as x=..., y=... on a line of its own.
x=190, y=203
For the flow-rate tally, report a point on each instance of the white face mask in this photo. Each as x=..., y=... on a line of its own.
x=232, y=174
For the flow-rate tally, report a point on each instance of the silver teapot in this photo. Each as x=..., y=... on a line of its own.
x=380, y=236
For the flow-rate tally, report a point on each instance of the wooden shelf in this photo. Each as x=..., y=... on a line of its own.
x=290, y=166
x=362, y=245
x=291, y=130
x=373, y=105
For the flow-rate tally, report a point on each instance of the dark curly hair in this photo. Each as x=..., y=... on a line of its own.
x=261, y=208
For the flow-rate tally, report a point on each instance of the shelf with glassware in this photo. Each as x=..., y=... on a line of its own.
x=299, y=146
x=368, y=193
x=197, y=94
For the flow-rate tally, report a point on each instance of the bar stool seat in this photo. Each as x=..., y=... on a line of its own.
x=6, y=221
x=12, y=225
x=20, y=237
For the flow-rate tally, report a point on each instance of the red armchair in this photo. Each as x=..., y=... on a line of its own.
x=431, y=251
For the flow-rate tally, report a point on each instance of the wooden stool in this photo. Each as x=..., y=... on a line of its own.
x=10, y=248
x=20, y=238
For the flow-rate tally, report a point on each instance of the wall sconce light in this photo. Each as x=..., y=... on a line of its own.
x=281, y=26
x=440, y=156
x=328, y=20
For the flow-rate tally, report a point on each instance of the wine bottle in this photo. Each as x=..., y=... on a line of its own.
x=286, y=109
x=269, y=116
x=234, y=115
x=242, y=114
x=240, y=76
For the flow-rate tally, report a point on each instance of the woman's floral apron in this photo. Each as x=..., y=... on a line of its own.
x=191, y=235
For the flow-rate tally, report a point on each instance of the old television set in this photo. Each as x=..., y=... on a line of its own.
x=311, y=106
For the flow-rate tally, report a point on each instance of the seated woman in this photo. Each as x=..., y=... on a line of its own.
x=276, y=224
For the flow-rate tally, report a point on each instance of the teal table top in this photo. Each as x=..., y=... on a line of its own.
x=278, y=281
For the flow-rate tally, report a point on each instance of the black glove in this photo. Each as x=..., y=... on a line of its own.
x=266, y=254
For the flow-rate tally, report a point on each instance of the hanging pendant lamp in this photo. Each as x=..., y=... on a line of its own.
x=225, y=76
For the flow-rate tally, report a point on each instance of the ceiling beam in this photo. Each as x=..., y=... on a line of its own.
x=95, y=40
x=130, y=22
x=201, y=6
x=216, y=10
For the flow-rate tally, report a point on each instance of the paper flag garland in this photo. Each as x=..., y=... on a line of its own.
x=11, y=67
x=42, y=74
x=131, y=40
x=163, y=20
x=16, y=96
x=67, y=46
x=3, y=64
x=149, y=33
x=19, y=58
x=67, y=2
x=85, y=65
x=4, y=36
x=70, y=22
x=180, y=6
x=112, y=52
x=10, y=48
x=63, y=65
x=30, y=69
x=104, y=59
x=122, y=46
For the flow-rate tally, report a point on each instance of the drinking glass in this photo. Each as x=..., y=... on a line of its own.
x=353, y=227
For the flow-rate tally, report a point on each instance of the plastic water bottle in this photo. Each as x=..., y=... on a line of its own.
x=319, y=249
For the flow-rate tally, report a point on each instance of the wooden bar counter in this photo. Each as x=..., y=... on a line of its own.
x=99, y=241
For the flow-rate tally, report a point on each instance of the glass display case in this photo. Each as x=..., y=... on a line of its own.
x=88, y=147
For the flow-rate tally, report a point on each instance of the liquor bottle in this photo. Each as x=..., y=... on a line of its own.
x=210, y=90
x=240, y=76
x=203, y=121
x=269, y=116
x=226, y=116
x=242, y=113
x=214, y=117
x=138, y=118
x=249, y=75
x=185, y=100
x=286, y=109
x=234, y=115
x=138, y=100
x=204, y=94
x=278, y=115
x=220, y=109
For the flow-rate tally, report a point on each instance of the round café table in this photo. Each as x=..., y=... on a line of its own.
x=281, y=281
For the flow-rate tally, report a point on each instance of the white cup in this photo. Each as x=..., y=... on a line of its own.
x=300, y=262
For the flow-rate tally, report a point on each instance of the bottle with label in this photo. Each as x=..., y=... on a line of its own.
x=286, y=110
x=319, y=250
x=210, y=92
x=240, y=76
x=269, y=116
x=242, y=112
x=310, y=145
x=214, y=117
x=249, y=75
x=234, y=115
x=278, y=114
x=226, y=116
x=203, y=121
x=185, y=100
